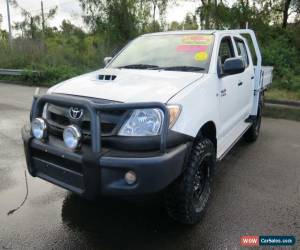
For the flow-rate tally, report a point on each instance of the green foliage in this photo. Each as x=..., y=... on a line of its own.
x=119, y=21
x=61, y=53
x=175, y=26
x=280, y=51
x=58, y=56
x=189, y=23
x=32, y=25
x=50, y=75
x=282, y=94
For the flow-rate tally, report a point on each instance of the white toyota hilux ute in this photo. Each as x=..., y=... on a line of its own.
x=154, y=120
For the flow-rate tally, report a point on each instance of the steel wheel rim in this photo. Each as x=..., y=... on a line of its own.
x=201, y=187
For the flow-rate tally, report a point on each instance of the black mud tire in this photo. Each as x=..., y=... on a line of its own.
x=253, y=132
x=187, y=198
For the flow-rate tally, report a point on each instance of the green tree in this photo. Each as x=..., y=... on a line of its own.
x=286, y=8
x=206, y=12
x=175, y=26
x=3, y=33
x=31, y=25
x=160, y=7
x=117, y=20
x=190, y=22
x=69, y=29
x=121, y=20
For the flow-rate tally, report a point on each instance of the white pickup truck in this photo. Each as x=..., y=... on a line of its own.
x=154, y=120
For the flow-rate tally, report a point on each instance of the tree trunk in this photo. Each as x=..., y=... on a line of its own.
x=31, y=28
x=216, y=15
x=154, y=10
x=207, y=8
x=286, y=13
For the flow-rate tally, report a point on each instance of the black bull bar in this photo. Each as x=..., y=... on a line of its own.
x=94, y=110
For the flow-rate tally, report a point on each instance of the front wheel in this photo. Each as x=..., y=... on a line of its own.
x=187, y=198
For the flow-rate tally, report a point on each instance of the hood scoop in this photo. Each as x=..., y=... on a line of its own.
x=106, y=77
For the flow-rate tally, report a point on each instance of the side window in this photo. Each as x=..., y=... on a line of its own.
x=225, y=51
x=242, y=51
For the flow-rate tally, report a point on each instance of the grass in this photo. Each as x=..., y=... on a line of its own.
x=281, y=112
x=280, y=94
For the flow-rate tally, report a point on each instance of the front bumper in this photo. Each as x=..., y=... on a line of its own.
x=91, y=174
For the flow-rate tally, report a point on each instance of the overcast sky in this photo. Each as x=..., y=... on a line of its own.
x=70, y=9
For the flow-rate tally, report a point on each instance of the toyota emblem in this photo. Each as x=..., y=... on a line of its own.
x=75, y=113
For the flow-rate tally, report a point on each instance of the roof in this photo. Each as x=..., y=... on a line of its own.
x=182, y=32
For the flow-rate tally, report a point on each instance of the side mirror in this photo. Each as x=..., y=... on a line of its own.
x=106, y=60
x=233, y=66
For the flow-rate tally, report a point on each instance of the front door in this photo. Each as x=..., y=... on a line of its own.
x=230, y=109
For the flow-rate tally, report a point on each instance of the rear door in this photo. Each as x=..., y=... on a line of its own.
x=245, y=80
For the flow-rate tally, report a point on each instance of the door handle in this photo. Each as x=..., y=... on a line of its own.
x=240, y=83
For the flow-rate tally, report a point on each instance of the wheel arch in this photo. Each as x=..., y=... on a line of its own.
x=209, y=131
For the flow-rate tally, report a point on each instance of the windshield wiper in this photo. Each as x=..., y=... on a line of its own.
x=172, y=68
x=139, y=66
x=184, y=68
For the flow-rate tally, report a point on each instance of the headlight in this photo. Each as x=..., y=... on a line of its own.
x=72, y=137
x=143, y=122
x=147, y=122
x=39, y=128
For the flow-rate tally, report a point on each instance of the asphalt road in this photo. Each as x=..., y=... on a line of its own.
x=256, y=192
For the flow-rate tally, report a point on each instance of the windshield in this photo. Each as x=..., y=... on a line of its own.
x=185, y=52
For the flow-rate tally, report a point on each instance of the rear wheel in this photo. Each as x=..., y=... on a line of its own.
x=187, y=198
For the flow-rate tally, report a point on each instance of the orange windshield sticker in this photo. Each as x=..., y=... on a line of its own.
x=201, y=56
x=197, y=40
